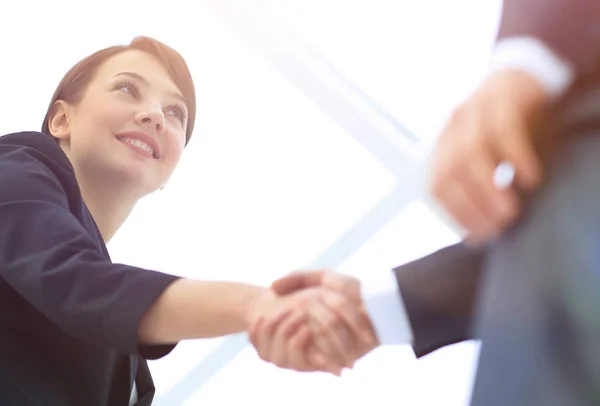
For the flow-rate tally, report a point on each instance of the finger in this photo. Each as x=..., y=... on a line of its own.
x=280, y=352
x=318, y=360
x=262, y=341
x=297, y=281
x=334, y=361
x=264, y=334
x=515, y=146
x=498, y=206
x=271, y=324
x=322, y=346
x=338, y=343
x=298, y=348
x=320, y=363
x=455, y=199
x=301, y=338
x=447, y=184
x=354, y=317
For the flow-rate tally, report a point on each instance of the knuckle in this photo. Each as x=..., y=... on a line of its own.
x=338, y=304
x=335, y=301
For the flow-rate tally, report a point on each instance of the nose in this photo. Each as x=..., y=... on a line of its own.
x=152, y=117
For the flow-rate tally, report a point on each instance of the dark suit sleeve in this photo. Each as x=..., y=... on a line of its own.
x=53, y=263
x=570, y=27
x=439, y=293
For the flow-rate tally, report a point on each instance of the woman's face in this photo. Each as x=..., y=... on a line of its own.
x=130, y=125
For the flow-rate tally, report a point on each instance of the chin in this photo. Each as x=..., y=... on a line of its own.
x=138, y=179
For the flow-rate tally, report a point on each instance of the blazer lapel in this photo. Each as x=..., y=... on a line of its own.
x=144, y=383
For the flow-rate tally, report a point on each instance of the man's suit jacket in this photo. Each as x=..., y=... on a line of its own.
x=570, y=27
x=440, y=291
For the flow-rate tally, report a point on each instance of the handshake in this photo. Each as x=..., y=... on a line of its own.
x=312, y=321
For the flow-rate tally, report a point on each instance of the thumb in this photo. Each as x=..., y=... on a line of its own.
x=297, y=281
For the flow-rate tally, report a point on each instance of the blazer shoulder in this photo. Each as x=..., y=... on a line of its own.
x=34, y=167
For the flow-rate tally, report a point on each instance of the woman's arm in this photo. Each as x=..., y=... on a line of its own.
x=54, y=270
x=190, y=309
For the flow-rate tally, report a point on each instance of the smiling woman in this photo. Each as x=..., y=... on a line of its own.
x=76, y=328
x=73, y=84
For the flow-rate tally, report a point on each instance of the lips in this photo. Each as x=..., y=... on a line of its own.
x=141, y=143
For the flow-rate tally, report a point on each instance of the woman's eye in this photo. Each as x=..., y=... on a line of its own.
x=178, y=113
x=128, y=88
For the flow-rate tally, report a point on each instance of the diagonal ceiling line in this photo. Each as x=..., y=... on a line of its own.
x=370, y=125
x=351, y=109
x=404, y=130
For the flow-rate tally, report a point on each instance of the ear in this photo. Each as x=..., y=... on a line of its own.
x=59, y=122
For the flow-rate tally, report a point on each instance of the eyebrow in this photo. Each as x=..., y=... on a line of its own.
x=142, y=79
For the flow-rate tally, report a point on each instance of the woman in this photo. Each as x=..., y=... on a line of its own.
x=76, y=329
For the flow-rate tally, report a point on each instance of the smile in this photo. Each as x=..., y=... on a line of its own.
x=139, y=146
x=141, y=143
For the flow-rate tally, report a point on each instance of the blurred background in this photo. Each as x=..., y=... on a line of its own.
x=315, y=119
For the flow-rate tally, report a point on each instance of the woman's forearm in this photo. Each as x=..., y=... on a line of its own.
x=190, y=309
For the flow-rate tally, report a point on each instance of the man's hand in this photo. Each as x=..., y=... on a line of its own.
x=309, y=330
x=338, y=333
x=348, y=287
x=493, y=127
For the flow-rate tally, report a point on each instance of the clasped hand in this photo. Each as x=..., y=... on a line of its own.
x=312, y=321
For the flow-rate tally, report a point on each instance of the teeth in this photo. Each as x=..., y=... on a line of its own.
x=139, y=144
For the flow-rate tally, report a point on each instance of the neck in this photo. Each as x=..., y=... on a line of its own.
x=109, y=201
x=109, y=209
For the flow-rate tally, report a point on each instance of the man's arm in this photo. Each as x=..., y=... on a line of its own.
x=554, y=41
x=545, y=49
x=570, y=28
x=439, y=293
x=428, y=302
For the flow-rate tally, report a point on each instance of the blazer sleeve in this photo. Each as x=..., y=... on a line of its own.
x=439, y=292
x=569, y=27
x=50, y=260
